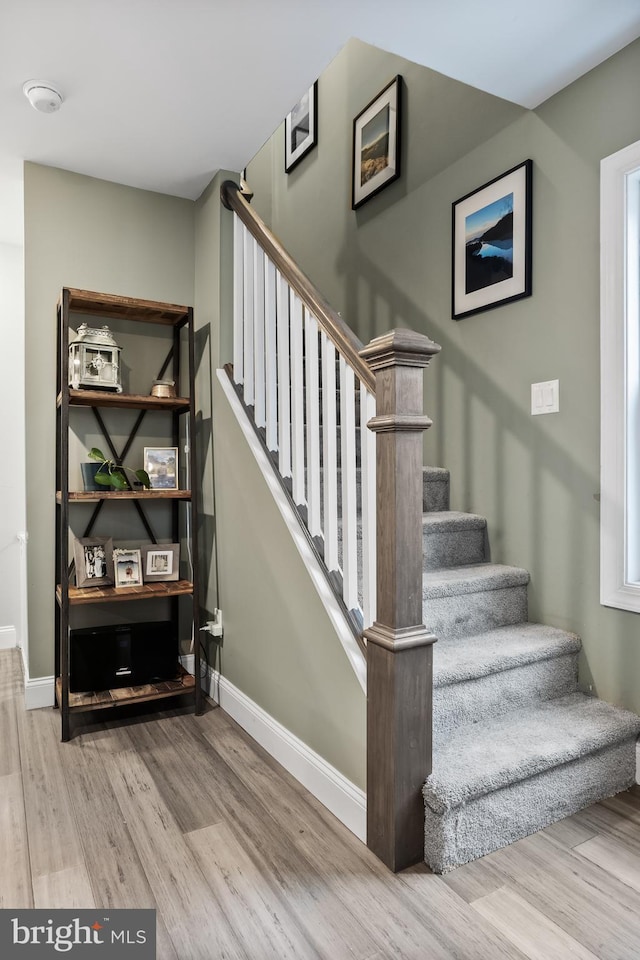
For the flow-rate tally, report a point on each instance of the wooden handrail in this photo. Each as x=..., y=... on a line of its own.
x=344, y=339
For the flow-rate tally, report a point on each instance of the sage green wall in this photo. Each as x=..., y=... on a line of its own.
x=279, y=646
x=343, y=252
x=87, y=233
x=388, y=264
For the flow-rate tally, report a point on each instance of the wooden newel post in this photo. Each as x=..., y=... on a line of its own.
x=399, y=647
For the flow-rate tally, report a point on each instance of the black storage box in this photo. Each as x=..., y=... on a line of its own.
x=123, y=655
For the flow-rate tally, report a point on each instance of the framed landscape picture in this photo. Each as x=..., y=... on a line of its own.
x=161, y=464
x=492, y=243
x=301, y=128
x=376, y=144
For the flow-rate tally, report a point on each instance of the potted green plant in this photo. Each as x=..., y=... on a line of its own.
x=111, y=474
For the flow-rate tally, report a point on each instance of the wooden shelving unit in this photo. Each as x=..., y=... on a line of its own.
x=146, y=591
x=93, y=496
x=103, y=699
x=124, y=401
x=67, y=596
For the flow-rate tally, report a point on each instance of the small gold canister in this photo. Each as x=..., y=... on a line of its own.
x=163, y=388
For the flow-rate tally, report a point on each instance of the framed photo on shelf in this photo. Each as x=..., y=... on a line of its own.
x=376, y=144
x=93, y=558
x=161, y=463
x=492, y=243
x=160, y=561
x=301, y=129
x=127, y=566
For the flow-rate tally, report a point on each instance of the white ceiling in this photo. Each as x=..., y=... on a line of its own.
x=160, y=94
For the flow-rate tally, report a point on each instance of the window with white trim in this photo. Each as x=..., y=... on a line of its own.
x=620, y=379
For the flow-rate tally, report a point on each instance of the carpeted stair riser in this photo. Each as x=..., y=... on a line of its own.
x=453, y=539
x=452, y=616
x=503, y=816
x=435, y=489
x=472, y=701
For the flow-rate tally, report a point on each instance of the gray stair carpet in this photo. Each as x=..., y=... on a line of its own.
x=516, y=746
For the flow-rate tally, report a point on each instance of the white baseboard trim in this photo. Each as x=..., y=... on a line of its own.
x=8, y=638
x=39, y=692
x=338, y=794
x=354, y=653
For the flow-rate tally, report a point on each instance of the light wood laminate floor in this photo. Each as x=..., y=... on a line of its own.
x=189, y=816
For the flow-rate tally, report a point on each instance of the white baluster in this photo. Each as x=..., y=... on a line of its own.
x=297, y=402
x=249, y=244
x=329, y=453
x=259, y=415
x=284, y=376
x=368, y=496
x=349, y=499
x=238, y=298
x=271, y=370
x=313, y=424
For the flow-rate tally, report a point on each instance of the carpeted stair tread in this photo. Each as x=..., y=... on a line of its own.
x=435, y=474
x=471, y=657
x=471, y=578
x=478, y=759
x=452, y=521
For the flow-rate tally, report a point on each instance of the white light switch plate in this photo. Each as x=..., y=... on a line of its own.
x=545, y=397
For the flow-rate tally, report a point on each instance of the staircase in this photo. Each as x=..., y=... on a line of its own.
x=516, y=746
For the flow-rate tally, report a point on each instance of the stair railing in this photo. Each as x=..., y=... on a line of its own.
x=344, y=423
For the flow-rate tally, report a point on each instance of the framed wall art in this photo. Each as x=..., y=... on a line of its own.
x=301, y=129
x=160, y=561
x=492, y=243
x=376, y=144
x=127, y=567
x=93, y=558
x=161, y=464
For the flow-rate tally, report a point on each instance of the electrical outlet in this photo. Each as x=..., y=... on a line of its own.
x=214, y=627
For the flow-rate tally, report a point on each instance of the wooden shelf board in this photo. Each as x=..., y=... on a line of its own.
x=125, y=401
x=119, y=696
x=129, y=308
x=92, y=496
x=147, y=591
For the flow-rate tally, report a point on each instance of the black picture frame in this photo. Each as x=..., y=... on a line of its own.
x=301, y=128
x=491, y=243
x=376, y=150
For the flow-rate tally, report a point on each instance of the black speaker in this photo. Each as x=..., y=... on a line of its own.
x=123, y=655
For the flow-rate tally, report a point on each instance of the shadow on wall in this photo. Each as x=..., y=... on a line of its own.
x=369, y=293
x=207, y=528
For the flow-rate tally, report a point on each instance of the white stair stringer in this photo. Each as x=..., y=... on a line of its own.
x=315, y=570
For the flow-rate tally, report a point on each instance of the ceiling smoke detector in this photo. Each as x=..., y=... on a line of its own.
x=42, y=96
